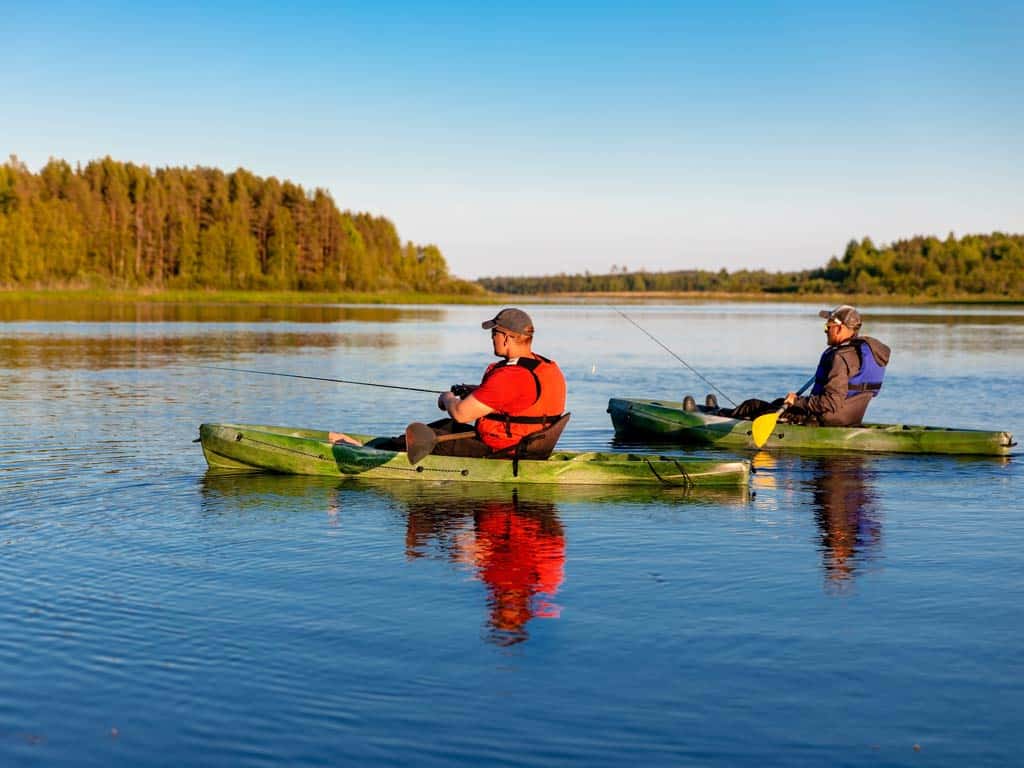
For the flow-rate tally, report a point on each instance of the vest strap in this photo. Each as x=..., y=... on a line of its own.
x=521, y=419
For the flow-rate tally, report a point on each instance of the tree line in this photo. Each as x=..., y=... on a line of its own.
x=973, y=265
x=116, y=224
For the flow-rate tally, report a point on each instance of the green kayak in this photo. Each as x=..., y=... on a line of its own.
x=636, y=418
x=285, y=450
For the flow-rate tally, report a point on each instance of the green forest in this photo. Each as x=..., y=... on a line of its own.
x=110, y=224
x=120, y=225
x=974, y=265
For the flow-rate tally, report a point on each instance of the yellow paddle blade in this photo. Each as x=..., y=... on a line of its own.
x=763, y=426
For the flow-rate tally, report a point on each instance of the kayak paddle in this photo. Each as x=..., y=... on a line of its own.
x=764, y=424
x=421, y=439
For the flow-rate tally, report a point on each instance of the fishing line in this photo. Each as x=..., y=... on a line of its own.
x=320, y=378
x=677, y=357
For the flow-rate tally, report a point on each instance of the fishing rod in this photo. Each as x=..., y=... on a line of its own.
x=677, y=357
x=320, y=378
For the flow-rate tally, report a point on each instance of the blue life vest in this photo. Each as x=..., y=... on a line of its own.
x=867, y=379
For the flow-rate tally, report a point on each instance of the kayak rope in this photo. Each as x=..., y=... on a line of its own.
x=677, y=357
x=421, y=468
x=687, y=482
x=284, y=449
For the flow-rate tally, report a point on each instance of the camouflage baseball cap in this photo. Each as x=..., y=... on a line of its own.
x=843, y=315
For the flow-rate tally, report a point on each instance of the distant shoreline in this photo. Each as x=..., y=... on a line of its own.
x=407, y=297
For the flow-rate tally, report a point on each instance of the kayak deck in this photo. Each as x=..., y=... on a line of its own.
x=248, y=447
x=667, y=420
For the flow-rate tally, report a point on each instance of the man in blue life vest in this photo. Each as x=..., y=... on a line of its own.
x=848, y=377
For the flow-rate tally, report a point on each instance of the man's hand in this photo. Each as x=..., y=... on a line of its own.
x=790, y=398
x=464, y=410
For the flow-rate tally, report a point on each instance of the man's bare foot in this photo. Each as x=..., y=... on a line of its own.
x=341, y=437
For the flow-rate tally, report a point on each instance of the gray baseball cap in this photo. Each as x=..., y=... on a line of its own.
x=511, y=319
x=845, y=314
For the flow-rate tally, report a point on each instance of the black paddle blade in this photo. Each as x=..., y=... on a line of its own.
x=419, y=441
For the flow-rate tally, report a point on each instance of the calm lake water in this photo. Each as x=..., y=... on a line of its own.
x=849, y=610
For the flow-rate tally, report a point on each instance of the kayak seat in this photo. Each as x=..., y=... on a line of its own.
x=536, y=445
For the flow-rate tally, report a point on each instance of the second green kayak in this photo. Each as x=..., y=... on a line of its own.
x=308, y=452
x=666, y=420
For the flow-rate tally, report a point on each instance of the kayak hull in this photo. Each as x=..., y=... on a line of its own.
x=250, y=447
x=666, y=420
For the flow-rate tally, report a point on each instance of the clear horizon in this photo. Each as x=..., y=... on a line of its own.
x=541, y=139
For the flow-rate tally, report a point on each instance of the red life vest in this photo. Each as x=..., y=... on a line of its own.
x=502, y=430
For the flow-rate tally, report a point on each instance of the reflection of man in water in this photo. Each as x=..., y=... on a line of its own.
x=516, y=547
x=520, y=556
x=846, y=511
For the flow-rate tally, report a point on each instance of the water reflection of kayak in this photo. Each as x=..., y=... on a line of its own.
x=308, y=452
x=447, y=495
x=704, y=427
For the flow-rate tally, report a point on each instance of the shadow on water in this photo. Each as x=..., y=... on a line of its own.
x=510, y=538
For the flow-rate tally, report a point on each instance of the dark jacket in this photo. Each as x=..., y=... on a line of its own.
x=835, y=406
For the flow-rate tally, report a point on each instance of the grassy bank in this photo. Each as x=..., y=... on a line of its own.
x=825, y=299
x=409, y=297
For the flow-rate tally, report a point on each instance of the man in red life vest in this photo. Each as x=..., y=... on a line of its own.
x=521, y=394
x=518, y=396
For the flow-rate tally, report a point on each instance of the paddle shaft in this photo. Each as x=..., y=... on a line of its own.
x=420, y=440
x=805, y=386
x=454, y=436
x=798, y=393
x=657, y=341
x=321, y=378
x=763, y=425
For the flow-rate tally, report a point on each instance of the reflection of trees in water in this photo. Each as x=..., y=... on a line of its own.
x=847, y=512
x=96, y=352
x=516, y=548
x=63, y=310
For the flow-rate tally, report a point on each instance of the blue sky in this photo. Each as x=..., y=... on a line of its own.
x=550, y=137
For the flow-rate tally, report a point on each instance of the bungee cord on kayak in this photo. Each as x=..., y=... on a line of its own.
x=677, y=357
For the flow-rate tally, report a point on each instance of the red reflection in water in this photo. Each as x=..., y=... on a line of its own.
x=516, y=548
x=521, y=559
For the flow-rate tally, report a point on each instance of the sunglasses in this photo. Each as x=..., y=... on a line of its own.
x=495, y=332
